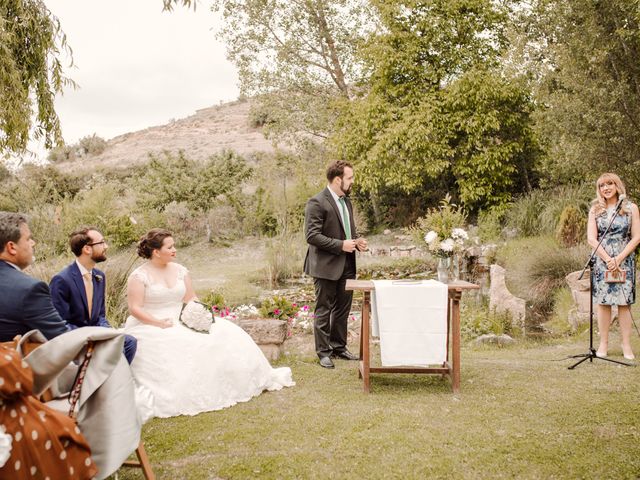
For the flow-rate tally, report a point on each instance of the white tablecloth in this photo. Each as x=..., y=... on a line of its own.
x=411, y=320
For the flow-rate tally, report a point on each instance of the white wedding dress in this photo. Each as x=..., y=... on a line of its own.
x=190, y=372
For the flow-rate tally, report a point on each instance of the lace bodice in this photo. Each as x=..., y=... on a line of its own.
x=160, y=300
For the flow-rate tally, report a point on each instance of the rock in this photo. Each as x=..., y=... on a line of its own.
x=501, y=300
x=272, y=351
x=265, y=331
x=492, y=338
x=579, y=291
x=577, y=318
x=387, y=231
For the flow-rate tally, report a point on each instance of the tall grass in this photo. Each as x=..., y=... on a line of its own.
x=538, y=212
x=284, y=257
x=536, y=270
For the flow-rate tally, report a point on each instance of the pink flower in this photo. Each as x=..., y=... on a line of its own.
x=294, y=305
x=276, y=311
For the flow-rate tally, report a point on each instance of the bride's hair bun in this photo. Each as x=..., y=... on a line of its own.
x=152, y=240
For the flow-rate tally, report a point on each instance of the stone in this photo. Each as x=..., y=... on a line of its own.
x=387, y=231
x=492, y=338
x=577, y=318
x=501, y=300
x=579, y=290
x=265, y=330
x=272, y=351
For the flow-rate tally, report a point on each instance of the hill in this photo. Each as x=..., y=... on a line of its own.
x=208, y=131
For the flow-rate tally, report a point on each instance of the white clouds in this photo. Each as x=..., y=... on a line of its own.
x=138, y=66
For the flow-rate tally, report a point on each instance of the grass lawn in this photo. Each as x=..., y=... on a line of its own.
x=520, y=414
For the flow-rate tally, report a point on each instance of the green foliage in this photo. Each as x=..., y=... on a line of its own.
x=538, y=274
x=294, y=59
x=490, y=223
x=171, y=178
x=584, y=61
x=438, y=107
x=278, y=307
x=284, y=257
x=572, y=227
x=87, y=146
x=30, y=74
x=117, y=274
x=477, y=319
x=92, y=145
x=441, y=220
x=538, y=212
x=214, y=299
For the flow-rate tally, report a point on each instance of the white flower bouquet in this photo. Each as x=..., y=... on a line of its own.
x=197, y=316
x=441, y=229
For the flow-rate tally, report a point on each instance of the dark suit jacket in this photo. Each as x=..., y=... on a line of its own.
x=25, y=304
x=325, y=233
x=70, y=298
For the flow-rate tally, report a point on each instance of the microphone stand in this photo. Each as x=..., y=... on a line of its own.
x=591, y=355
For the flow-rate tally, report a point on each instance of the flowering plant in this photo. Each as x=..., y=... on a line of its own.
x=441, y=229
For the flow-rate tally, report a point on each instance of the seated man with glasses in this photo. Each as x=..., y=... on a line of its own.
x=78, y=291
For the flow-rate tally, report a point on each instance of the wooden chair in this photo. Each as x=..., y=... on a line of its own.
x=143, y=459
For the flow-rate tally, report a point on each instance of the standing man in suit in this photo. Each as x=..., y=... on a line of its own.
x=78, y=290
x=331, y=260
x=25, y=302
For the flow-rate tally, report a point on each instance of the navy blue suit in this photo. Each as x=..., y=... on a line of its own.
x=25, y=304
x=70, y=299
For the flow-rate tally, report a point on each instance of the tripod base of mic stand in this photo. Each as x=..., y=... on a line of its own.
x=591, y=355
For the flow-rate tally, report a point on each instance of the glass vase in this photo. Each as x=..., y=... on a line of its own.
x=444, y=265
x=455, y=267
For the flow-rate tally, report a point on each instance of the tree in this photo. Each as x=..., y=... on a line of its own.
x=295, y=57
x=583, y=61
x=31, y=74
x=438, y=108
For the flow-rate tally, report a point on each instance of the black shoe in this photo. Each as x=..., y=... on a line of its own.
x=345, y=355
x=326, y=362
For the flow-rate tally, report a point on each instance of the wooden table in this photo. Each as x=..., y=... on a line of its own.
x=452, y=369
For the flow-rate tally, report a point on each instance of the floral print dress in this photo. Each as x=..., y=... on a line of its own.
x=615, y=241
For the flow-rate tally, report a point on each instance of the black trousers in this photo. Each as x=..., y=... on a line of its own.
x=333, y=304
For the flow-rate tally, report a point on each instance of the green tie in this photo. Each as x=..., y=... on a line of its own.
x=345, y=217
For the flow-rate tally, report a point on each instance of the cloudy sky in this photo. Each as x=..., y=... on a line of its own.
x=137, y=66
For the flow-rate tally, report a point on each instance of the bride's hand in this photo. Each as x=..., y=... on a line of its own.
x=165, y=323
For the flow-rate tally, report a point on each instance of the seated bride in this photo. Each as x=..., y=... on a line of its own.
x=187, y=371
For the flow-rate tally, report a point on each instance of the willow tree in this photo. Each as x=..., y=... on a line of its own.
x=31, y=74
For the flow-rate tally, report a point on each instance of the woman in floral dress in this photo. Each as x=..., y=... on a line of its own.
x=616, y=255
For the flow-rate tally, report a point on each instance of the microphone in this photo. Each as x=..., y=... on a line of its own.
x=620, y=200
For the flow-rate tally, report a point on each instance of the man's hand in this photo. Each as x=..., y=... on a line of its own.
x=361, y=244
x=348, y=246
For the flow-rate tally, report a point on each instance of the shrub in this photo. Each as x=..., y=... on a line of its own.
x=91, y=145
x=278, y=307
x=490, y=223
x=284, y=257
x=477, y=319
x=572, y=226
x=538, y=274
x=117, y=273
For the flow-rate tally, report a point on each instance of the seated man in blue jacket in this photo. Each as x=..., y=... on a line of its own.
x=78, y=291
x=25, y=302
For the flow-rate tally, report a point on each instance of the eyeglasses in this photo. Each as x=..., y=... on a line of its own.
x=96, y=243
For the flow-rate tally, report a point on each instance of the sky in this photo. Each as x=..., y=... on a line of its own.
x=137, y=66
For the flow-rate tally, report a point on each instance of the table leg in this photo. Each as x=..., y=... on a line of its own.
x=365, y=340
x=455, y=340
